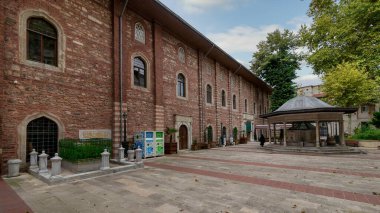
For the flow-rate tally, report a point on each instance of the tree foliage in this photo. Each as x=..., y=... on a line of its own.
x=349, y=86
x=276, y=61
x=376, y=119
x=343, y=31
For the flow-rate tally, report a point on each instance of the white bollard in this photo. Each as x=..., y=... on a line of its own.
x=121, y=153
x=224, y=142
x=105, y=160
x=138, y=153
x=14, y=167
x=56, y=165
x=232, y=140
x=33, y=160
x=43, y=162
x=131, y=154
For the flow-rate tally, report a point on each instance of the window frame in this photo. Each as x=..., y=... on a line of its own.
x=145, y=72
x=143, y=33
x=245, y=106
x=42, y=38
x=207, y=94
x=234, y=102
x=22, y=41
x=223, y=98
x=184, y=86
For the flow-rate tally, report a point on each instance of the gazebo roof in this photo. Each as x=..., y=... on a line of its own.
x=303, y=102
x=306, y=104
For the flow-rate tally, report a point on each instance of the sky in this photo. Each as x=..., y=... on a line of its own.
x=237, y=26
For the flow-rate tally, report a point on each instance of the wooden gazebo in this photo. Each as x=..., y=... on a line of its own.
x=314, y=122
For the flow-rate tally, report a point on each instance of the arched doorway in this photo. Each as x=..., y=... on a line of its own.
x=224, y=133
x=183, y=143
x=42, y=134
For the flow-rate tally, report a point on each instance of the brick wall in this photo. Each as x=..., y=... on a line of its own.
x=80, y=94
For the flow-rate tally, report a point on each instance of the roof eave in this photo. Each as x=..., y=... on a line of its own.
x=345, y=110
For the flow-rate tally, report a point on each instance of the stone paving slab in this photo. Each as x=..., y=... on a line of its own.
x=183, y=183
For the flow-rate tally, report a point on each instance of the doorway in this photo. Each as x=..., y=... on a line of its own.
x=183, y=136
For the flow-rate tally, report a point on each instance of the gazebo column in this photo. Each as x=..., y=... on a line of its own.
x=270, y=133
x=317, y=134
x=341, y=133
x=274, y=133
x=284, y=133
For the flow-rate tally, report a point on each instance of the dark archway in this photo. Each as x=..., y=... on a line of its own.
x=42, y=134
x=183, y=135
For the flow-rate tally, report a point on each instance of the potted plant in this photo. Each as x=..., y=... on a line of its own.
x=194, y=145
x=170, y=147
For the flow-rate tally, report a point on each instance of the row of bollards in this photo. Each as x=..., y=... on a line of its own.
x=39, y=163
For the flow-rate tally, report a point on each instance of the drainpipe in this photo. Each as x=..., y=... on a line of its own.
x=121, y=67
x=201, y=91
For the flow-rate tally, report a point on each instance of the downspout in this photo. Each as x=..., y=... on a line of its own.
x=121, y=67
x=201, y=93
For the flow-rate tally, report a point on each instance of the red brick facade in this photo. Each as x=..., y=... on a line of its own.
x=83, y=92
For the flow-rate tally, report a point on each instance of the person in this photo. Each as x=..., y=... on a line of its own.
x=262, y=140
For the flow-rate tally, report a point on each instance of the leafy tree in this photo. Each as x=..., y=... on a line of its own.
x=276, y=61
x=343, y=31
x=349, y=86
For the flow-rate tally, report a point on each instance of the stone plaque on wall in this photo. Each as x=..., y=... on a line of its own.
x=95, y=133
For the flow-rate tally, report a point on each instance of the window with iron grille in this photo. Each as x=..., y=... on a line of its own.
x=41, y=41
x=42, y=134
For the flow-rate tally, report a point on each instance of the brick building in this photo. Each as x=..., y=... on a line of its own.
x=62, y=71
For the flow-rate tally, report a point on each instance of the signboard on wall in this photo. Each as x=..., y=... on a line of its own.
x=95, y=133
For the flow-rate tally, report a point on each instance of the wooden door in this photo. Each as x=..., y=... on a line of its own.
x=183, y=137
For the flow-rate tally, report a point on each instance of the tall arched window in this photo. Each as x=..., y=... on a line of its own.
x=223, y=98
x=181, y=85
x=139, y=72
x=209, y=133
x=139, y=33
x=245, y=105
x=42, y=41
x=234, y=101
x=209, y=94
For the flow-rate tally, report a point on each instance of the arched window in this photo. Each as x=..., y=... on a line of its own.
x=139, y=33
x=209, y=94
x=245, y=105
x=181, y=85
x=139, y=72
x=234, y=101
x=181, y=55
x=223, y=98
x=209, y=134
x=41, y=41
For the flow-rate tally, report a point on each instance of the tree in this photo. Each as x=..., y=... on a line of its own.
x=349, y=86
x=276, y=62
x=376, y=119
x=343, y=31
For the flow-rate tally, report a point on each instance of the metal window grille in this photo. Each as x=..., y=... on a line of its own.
x=42, y=134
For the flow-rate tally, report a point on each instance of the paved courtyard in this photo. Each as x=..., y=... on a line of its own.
x=242, y=179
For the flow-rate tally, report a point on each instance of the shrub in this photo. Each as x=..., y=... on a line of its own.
x=75, y=150
x=366, y=134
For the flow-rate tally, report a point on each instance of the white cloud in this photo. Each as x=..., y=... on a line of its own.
x=241, y=38
x=308, y=80
x=198, y=6
x=298, y=21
